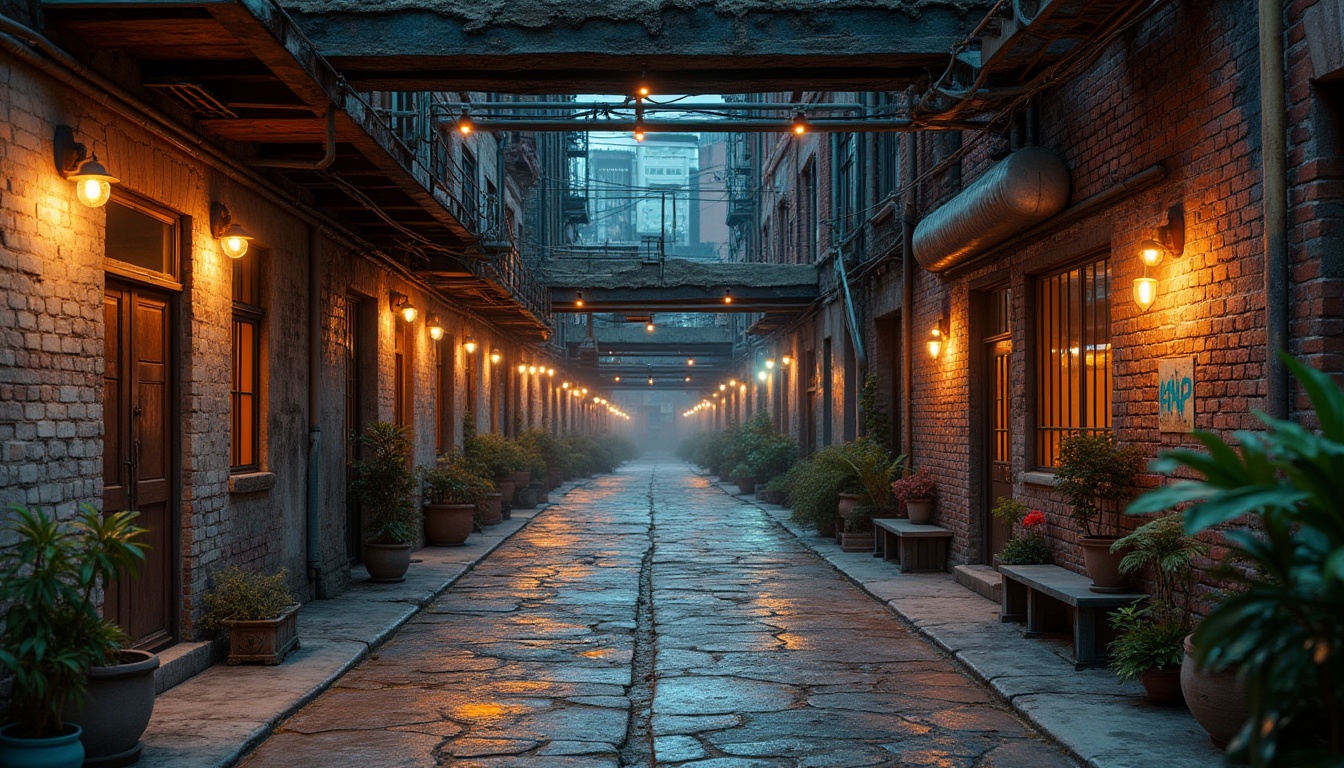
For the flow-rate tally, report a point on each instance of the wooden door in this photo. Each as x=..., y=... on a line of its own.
x=999, y=448
x=138, y=455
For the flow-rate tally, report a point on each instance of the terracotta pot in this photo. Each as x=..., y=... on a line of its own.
x=506, y=488
x=746, y=484
x=1163, y=686
x=1216, y=699
x=1103, y=566
x=117, y=711
x=387, y=563
x=63, y=751
x=919, y=512
x=493, y=513
x=264, y=641
x=848, y=501
x=448, y=525
x=521, y=480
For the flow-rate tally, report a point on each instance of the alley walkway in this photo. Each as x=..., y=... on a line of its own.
x=744, y=649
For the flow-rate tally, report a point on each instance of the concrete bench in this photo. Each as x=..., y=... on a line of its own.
x=1054, y=599
x=915, y=547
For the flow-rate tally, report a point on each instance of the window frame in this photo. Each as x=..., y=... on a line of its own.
x=253, y=315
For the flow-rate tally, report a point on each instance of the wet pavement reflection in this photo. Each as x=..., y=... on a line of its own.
x=650, y=619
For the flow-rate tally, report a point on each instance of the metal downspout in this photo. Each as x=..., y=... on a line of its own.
x=1273, y=159
x=328, y=157
x=313, y=541
x=851, y=316
x=908, y=294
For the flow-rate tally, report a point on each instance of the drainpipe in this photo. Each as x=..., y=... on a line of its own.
x=328, y=157
x=311, y=528
x=908, y=293
x=1273, y=160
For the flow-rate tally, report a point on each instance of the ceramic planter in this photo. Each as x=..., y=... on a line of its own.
x=266, y=641
x=493, y=513
x=848, y=501
x=1163, y=686
x=746, y=484
x=919, y=511
x=448, y=525
x=1103, y=566
x=64, y=751
x=117, y=709
x=1216, y=699
x=387, y=563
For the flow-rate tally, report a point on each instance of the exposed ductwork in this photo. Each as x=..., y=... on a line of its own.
x=1024, y=189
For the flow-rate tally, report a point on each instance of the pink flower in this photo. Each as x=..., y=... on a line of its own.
x=1034, y=518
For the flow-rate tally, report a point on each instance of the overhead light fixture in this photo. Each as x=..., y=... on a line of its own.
x=650, y=381
x=727, y=296
x=469, y=345
x=233, y=239
x=723, y=387
x=93, y=182
x=639, y=129
x=618, y=379
x=435, y=326
x=690, y=361
x=649, y=326
x=688, y=378
x=799, y=123
x=762, y=375
x=464, y=122
x=401, y=304
x=770, y=362
x=578, y=298
x=732, y=382
x=643, y=89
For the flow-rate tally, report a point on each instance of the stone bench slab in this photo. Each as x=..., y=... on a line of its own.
x=915, y=547
x=1053, y=599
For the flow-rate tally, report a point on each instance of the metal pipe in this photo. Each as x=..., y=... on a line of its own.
x=312, y=537
x=908, y=221
x=328, y=157
x=1273, y=163
x=622, y=124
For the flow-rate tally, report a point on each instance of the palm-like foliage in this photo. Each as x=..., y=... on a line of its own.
x=384, y=486
x=1284, y=629
x=53, y=632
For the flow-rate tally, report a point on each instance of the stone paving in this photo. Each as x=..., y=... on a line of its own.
x=649, y=619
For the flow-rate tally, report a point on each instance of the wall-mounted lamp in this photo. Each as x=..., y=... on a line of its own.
x=649, y=326
x=401, y=303
x=550, y=372
x=469, y=345
x=618, y=379
x=722, y=387
x=578, y=298
x=435, y=326
x=727, y=296
x=761, y=375
x=770, y=363
x=522, y=368
x=1170, y=239
x=688, y=378
x=639, y=129
x=799, y=123
x=732, y=382
x=690, y=361
x=786, y=359
x=743, y=389
x=495, y=356
x=650, y=381
x=233, y=239
x=564, y=385
x=464, y=123
x=532, y=370
x=93, y=183
x=936, y=338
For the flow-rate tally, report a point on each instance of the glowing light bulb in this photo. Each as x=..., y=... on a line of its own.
x=93, y=184
x=1145, y=292
x=409, y=312
x=935, y=342
x=1150, y=251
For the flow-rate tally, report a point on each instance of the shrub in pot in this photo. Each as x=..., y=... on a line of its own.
x=917, y=491
x=1095, y=475
x=496, y=457
x=455, y=499
x=876, y=470
x=385, y=487
x=858, y=533
x=742, y=476
x=48, y=578
x=1283, y=629
x=815, y=485
x=257, y=612
x=1026, y=545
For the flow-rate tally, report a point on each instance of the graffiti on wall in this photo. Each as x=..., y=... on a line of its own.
x=1176, y=394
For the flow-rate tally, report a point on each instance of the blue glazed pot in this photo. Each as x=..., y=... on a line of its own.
x=62, y=751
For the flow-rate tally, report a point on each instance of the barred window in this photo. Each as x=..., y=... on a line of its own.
x=245, y=390
x=1073, y=356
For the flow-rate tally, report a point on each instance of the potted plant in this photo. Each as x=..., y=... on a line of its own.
x=48, y=578
x=742, y=476
x=256, y=611
x=1095, y=475
x=454, y=497
x=384, y=485
x=1150, y=643
x=815, y=485
x=917, y=491
x=1026, y=543
x=858, y=533
x=497, y=458
x=1282, y=630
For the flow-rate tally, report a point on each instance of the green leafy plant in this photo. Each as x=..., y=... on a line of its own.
x=494, y=455
x=384, y=485
x=1144, y=640
x=1283, y=628
x=876, y=422
x=815, y=485
x=454, y=480
x=545, y=445
x=1027, y=544
x=915, y=486
x=771, y=457
x=242, y=595
x=53, y=632
x=1008, y=511
x=860, y=518
x=1095, y=475
x=875, y=469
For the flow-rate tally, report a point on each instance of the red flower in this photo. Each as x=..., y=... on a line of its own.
x=1034, y=518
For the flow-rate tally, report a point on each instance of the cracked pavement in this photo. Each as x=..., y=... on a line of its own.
x=649, y=619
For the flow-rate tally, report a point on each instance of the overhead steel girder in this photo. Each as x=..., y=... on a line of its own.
x=464, y=45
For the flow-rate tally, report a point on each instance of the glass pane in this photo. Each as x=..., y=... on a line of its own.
x=135, y=237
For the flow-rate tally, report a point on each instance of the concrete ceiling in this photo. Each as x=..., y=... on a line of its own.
x=685, y=46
